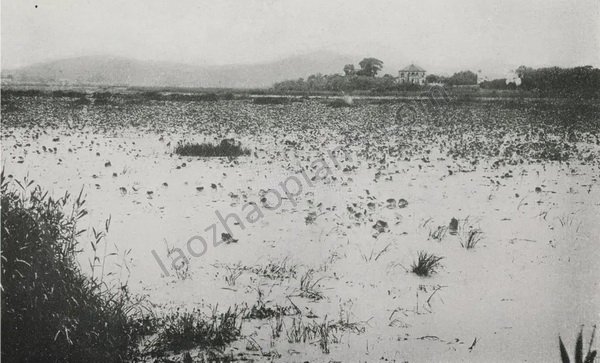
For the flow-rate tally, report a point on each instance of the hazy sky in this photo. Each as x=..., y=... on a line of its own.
x=442, y=34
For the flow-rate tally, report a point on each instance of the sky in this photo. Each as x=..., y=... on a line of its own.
x=440, y=34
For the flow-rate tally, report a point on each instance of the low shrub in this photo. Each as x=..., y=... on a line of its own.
x=227, y=147
x=271, y=100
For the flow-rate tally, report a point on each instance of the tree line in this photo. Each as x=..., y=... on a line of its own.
x=577, y=82
x=365, y=78
x=462, y=78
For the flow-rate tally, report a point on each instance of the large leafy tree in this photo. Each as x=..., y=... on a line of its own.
x=349, y=70
x=369, y=67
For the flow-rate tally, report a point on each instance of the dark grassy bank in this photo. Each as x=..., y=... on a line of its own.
x=52, y=311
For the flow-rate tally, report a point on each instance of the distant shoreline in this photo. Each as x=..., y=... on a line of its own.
x=463, y=93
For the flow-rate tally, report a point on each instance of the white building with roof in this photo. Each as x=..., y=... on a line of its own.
x=412, y=74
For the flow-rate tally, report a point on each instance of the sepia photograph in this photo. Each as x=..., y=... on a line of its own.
x=300, y=181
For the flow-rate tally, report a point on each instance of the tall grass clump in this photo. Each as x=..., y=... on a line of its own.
x=227, y=147
x=187, y=330
x=471, y=238
x=426, y=264
x=51, y=310
x=302, y=332
x=590, y=357
x=309, y=286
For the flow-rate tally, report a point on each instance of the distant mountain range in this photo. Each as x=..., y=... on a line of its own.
x=109, y=70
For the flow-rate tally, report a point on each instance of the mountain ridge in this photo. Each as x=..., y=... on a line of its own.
x=118, y=70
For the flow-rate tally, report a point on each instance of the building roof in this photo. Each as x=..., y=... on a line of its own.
x=412, y=68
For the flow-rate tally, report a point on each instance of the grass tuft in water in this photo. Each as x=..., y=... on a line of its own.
x=426, y=264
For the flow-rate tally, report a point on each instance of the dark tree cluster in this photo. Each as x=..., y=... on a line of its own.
x=363, y=79
x=500, y=83
x=578, y=82
x=462, y=78
x=570, y=82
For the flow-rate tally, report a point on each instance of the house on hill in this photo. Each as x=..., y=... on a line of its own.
x=412, y=74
